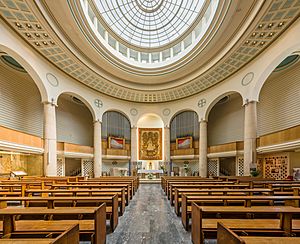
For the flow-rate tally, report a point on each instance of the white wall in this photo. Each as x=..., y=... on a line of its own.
x=226, y=122
x=20, y=102
x=279, y=102
x=74, y=122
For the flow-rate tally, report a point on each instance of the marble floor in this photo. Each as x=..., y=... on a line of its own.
x=149, y=218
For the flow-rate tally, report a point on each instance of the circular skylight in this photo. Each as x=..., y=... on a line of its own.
x=149, y=23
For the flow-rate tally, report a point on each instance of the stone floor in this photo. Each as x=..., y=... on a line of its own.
x=149, y=218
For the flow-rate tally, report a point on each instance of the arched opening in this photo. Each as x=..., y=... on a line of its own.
x=184, y=137
x=116, y=142
x=225, y=131
x=278, y=121
x=150, y=143
x=74, y=124
x=21, y=120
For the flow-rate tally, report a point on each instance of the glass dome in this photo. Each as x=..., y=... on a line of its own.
x=150, y=33
x=149, y=23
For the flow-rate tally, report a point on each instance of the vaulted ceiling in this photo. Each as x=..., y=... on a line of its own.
x=60, y=31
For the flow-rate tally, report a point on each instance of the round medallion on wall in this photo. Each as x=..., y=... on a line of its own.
x=133, y=111
x=201, y=103
x=247, y=78
x=98, y=103
x=53, y=81
x=166, y=112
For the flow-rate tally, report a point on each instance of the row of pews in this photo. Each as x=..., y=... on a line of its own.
x=62, y=209
x=236, y=209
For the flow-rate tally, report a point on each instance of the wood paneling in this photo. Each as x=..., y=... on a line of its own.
x=233, y=146
x=279, y=137
x=68, y=147
x=18, y=137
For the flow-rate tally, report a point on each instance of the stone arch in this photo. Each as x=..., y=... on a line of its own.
x=270, y=68
x=85, y=101
x=216, y=100
x=36, y=77
x=179, y=112
x=119, y=111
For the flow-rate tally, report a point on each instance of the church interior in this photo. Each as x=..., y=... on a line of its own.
x=149, y=121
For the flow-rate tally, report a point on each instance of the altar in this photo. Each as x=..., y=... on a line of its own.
x=150, y=171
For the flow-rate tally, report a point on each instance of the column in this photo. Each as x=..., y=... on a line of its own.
x=167, y=144
x=50, y=151
x=250, y=128
x=203, y=149
x=133, y=146
x=97, y=149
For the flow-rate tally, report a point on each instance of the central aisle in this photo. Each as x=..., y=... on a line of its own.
x=149, y=218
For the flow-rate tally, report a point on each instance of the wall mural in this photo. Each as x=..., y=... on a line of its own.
x=150, y=144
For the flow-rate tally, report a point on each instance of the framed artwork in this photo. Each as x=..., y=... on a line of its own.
x=184, y=142
x=116, y=143
x=150, y=144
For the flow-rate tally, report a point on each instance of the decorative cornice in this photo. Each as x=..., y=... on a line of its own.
x=75, y=154
x=291, y=145
x=5, y=145
x=225, y=154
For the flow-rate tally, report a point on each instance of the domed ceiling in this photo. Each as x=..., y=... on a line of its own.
x=149, y=50
x=148, y=23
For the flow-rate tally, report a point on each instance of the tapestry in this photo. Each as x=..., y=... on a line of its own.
x=150, y=144
x=115, y=142
x=184, y=142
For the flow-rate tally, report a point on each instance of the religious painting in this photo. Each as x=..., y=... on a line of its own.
x=116, y=143
x=150, y=143
x=184, y=142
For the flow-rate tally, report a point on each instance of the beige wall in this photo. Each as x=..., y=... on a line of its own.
x=226, y=122
x=279, y=101
x=20, y=102
x=74, y=122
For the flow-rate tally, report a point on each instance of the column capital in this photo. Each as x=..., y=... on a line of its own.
x=248, y=101
x=97, y=121
x=166, y=127
x=52, y=103
x=133, y=127
x=202, y=120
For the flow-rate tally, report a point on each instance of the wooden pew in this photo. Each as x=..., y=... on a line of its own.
x=174, y=185
x=111, y=203
x=247, y=201
x=199, y=185
x=96, y=186
x=221, y=192
x=202, y=224
x=97, y=224
x=71, y=235
x=83, y=192
x=227, y=236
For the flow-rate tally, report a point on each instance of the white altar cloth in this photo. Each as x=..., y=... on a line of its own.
x=148, y=171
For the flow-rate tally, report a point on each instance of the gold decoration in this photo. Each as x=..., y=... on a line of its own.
x=150, y=143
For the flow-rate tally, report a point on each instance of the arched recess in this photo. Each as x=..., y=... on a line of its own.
x=112, y=109
x=225, y=132
x=184, y=142
x=116, y=143
x=268, y=69
x=21, y=119
x=75, y=133
x=216, y=100
x=278, y=121
x=33, y=73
